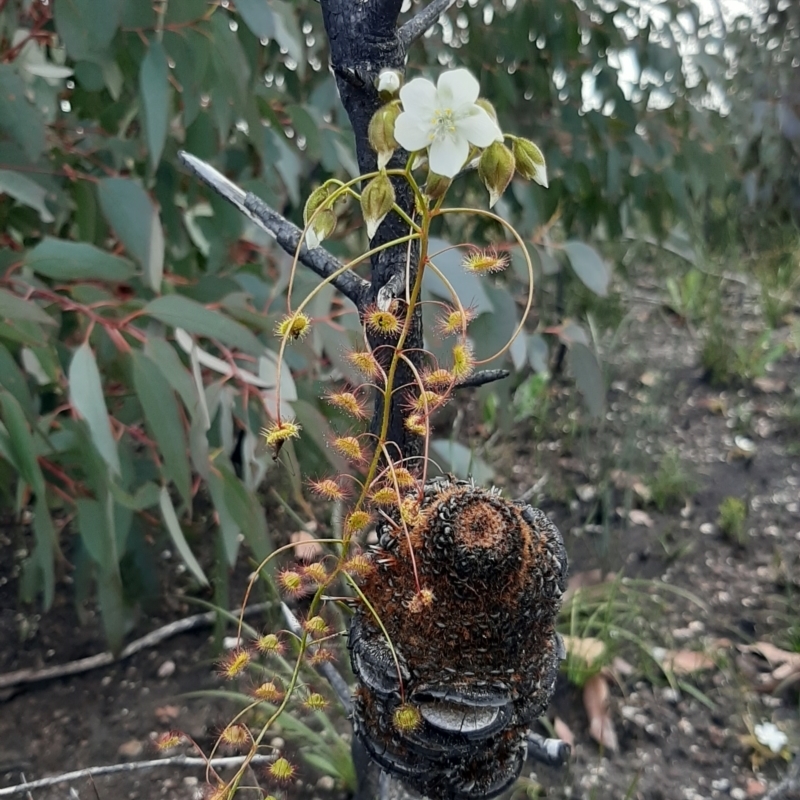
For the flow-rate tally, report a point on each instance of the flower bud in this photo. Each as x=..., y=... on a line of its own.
x=436, y=185
x=377, y=200
x=321, y=228
x=381, y=132
x=487, y=107
x=388, y=82
x=316, y=199
x=530, y=161
x=496, y=169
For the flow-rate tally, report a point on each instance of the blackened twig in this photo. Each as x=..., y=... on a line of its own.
x=553, y=752
x=285, y=233
x=174, y=761
x=151, y=639
x=483, y=377
x=417, y=25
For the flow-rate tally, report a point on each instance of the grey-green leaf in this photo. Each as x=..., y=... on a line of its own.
x=179, y=377
x=96, y=526
x=229, y=530
x=134, y=218
x=154, y=86
x=588, y=376
x=287, y=31
x=588, y=266
x=181, y=312
x=538, y=353
x=75, y=261
x=163, y=421
x=19, y=118
x=25, y=191
x=469, y=286
x=245, y=510
x=13, y=306
x=86, y=396
x=258, y=16
x=85, y=27
x=21, y=443
x=179, y=540
x=461, y=461
x=45, y=550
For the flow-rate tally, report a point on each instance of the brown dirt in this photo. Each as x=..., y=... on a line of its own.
x=673, y=745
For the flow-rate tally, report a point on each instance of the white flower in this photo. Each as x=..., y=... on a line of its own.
x=388, y=81
x=445, y=119
x=770, y=735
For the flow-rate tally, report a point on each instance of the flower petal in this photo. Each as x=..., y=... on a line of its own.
x=412, y=132
x=457, y=87
x=448, y=154
x=312, y=239
x=419, y=98
x=478, y=127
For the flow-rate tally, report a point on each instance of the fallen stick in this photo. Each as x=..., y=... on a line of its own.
x=104, y=659
x=173, y=761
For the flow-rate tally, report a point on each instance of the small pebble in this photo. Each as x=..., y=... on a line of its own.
x=166, y=669
x=131, y=749
x=755, y=788
x=738, y=794
x=326, y=783
x=670, y=695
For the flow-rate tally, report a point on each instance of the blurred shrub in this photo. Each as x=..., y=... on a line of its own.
x=763, y=50
x=136, y=348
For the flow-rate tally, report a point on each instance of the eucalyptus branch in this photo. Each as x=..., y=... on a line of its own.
x=418, y=24
x=285, y=233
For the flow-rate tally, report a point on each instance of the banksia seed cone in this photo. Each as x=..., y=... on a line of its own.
x=479, y=662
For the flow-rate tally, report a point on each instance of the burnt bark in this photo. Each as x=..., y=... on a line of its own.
x=364, y=39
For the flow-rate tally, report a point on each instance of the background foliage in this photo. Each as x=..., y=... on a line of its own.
x=137, y=357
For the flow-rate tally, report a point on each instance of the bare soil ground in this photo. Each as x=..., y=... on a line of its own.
x=676, y=742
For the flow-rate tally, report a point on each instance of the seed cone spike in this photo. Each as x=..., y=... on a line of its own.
x=479, y=660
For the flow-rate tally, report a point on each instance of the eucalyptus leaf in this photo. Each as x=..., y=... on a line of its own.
x=25, y=191
x=588, y=376
x=85, y=29
x=62, y=260
x=21, y=443
x=86, y=396
x=469, y=286
x=134, y=218
x=13, y=306
x=538, y=353
x=181, y=312
x=588, y=266
x=455, y=457
x=178, y=539
x=164, y=422
x=245, y=510
x=154, y=88
x=258, y=16
x=20, y=118
x=44, y=553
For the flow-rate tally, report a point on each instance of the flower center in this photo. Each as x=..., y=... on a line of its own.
x=443, y=123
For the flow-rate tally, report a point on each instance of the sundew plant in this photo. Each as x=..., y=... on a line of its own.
x=453, y=680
